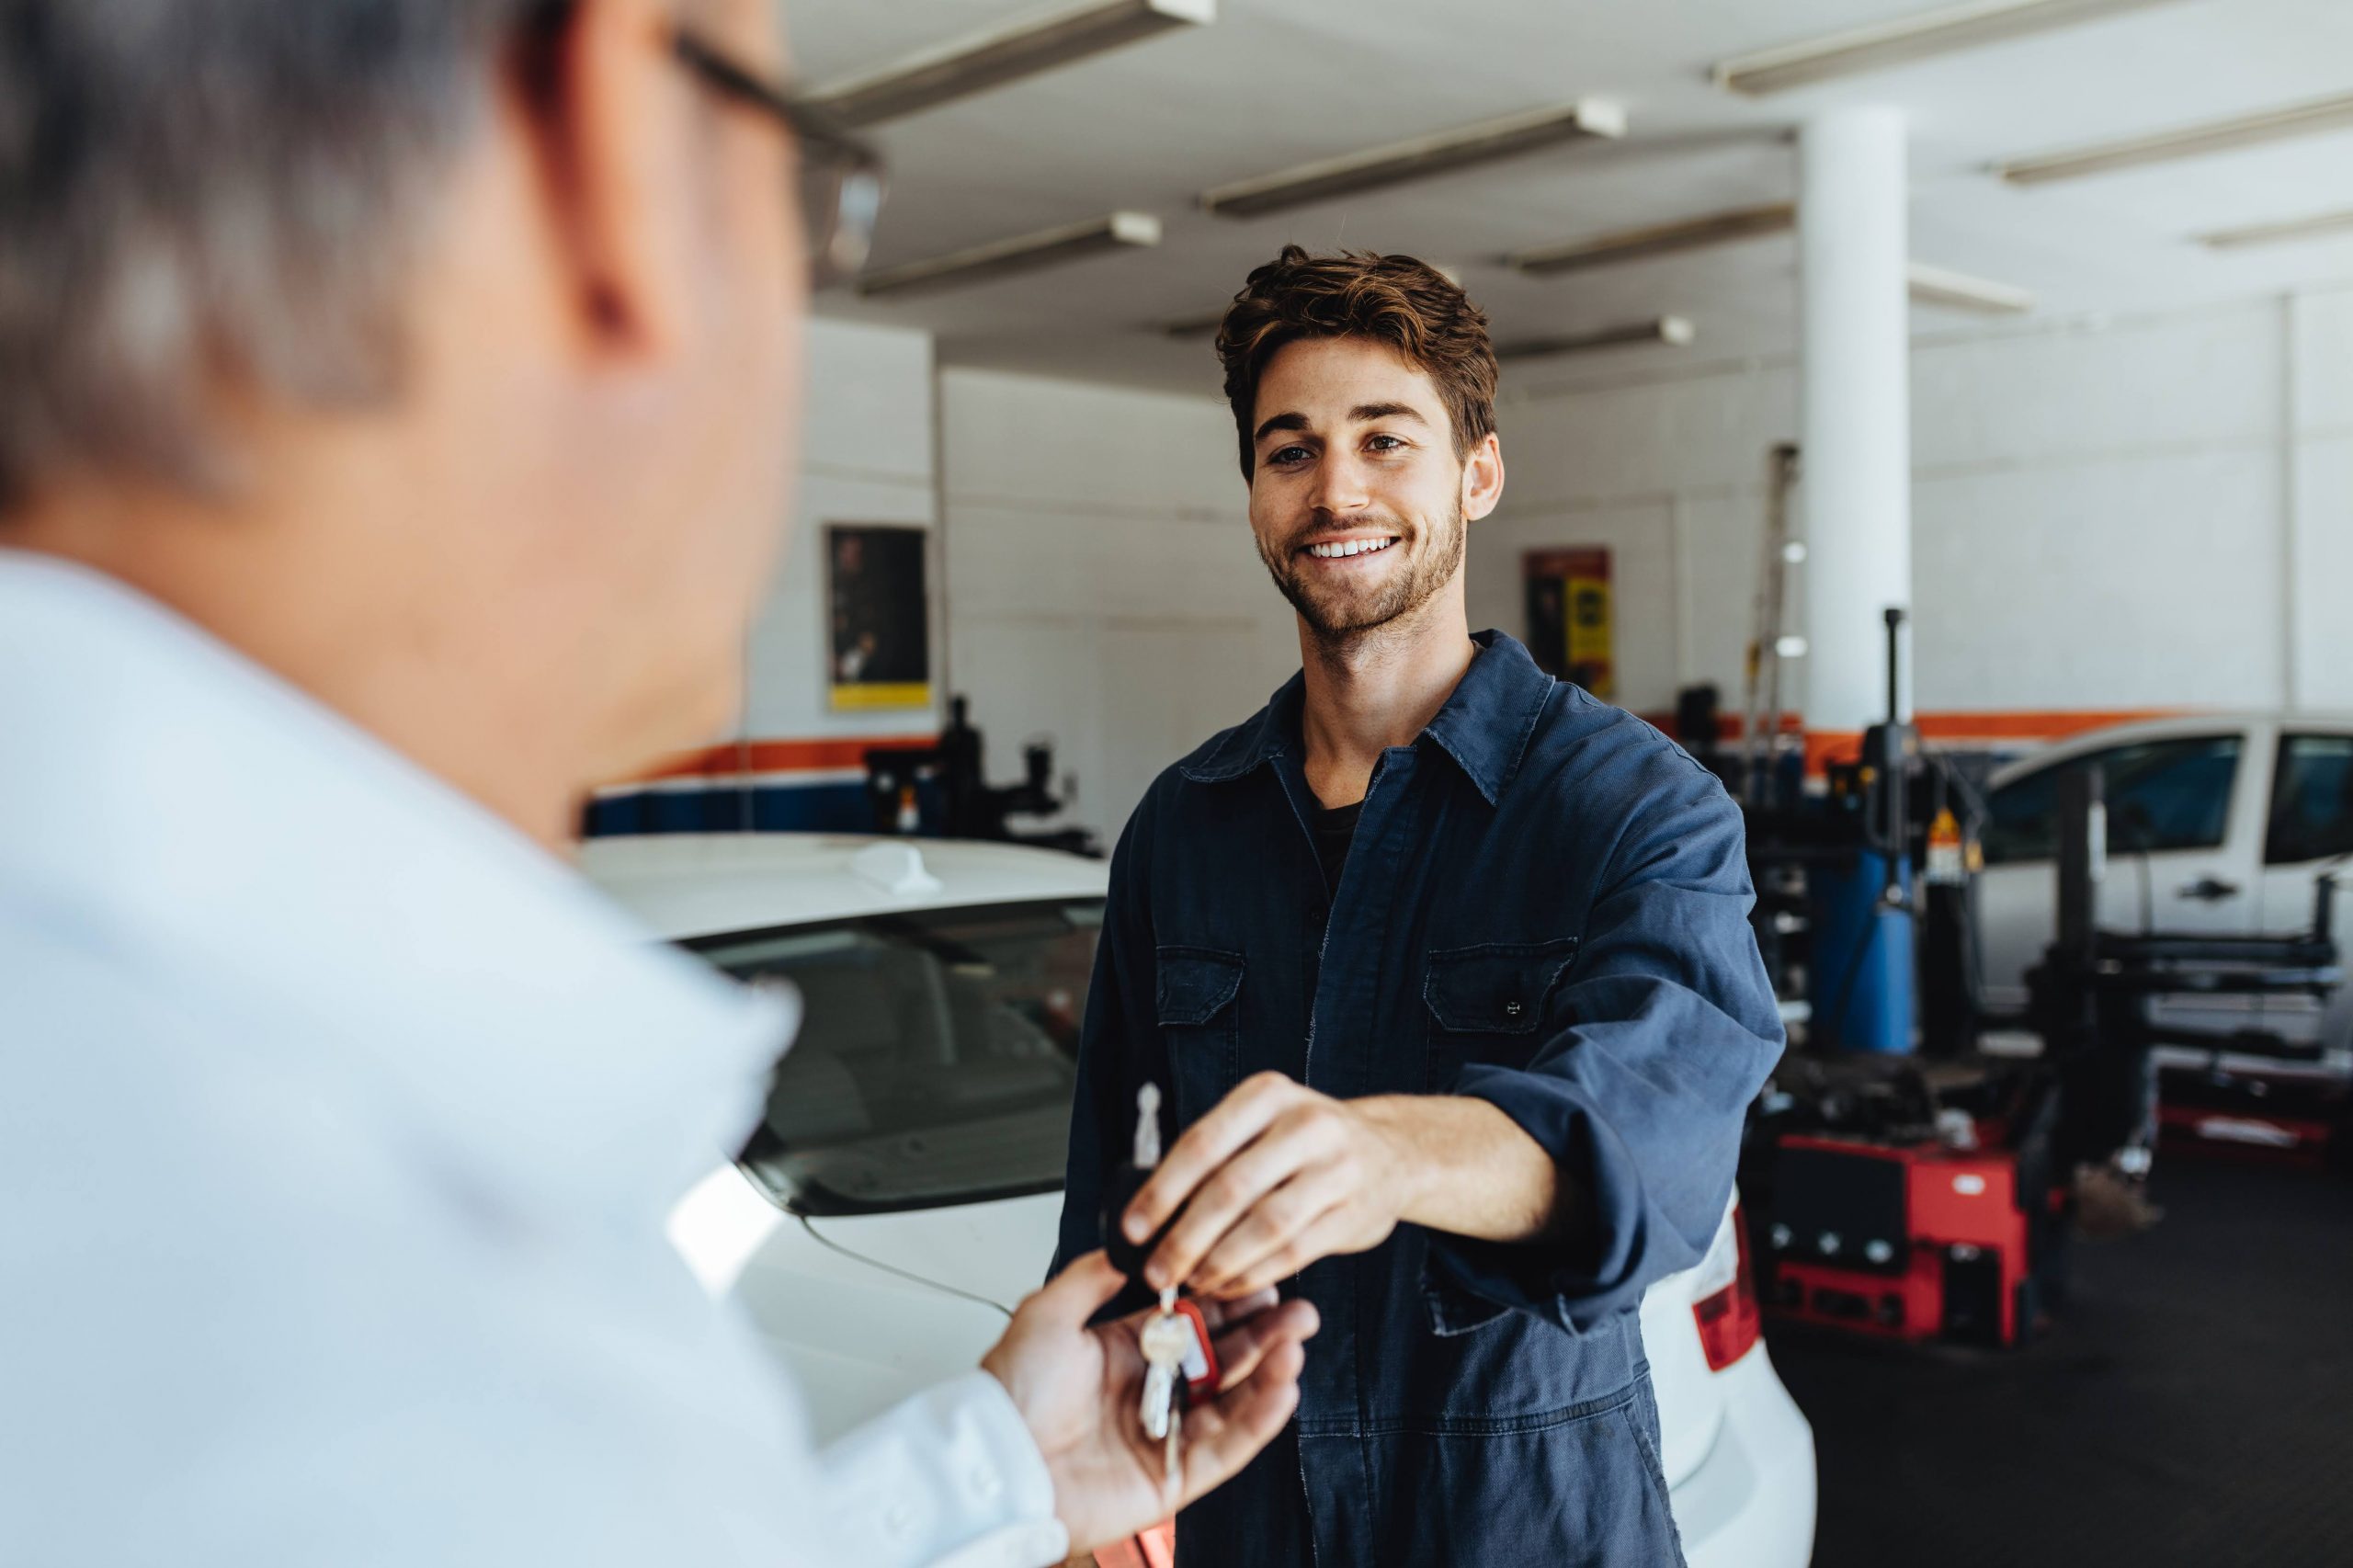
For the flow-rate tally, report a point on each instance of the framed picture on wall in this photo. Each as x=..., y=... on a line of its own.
x=878, y=616
x=1569, y=615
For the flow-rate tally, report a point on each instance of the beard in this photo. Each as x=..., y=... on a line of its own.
x=1340, y=612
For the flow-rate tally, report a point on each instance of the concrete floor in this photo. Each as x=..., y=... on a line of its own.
x=2193, y=1403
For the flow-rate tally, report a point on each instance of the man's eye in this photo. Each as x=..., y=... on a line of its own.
x=1385, y=444
x=1288, y=456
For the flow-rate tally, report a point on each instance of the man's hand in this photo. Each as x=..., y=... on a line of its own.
x=1081, y=1391
x=1278, y=1175
x=1275, y=1176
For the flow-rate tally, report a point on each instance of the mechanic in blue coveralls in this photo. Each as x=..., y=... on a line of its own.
x=1447, y=969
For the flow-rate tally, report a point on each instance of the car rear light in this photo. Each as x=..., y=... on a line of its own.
x=1730, y=1323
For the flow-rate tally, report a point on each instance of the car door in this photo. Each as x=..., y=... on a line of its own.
x=2184, y=819
x=2311, y=831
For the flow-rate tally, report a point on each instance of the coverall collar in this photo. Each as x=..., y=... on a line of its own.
x=1484, y=725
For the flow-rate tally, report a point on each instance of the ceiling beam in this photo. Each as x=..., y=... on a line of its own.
x=2194, y=142
x=1025, y=253
x=1922, y=36
x=1587, y=120
x=1004, y=54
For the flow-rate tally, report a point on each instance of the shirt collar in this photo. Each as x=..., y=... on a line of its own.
x=1484, y=725
x=226, y=837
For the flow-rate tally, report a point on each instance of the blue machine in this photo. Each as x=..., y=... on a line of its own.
x=1863, y=963
x=1863, y=975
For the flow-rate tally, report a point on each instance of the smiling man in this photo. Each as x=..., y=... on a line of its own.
x=1447, y=968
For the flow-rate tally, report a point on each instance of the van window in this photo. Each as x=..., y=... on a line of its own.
x=2311, y=800
x=2169, y=794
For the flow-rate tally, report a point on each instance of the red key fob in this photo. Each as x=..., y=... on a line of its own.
x=1200, y=1365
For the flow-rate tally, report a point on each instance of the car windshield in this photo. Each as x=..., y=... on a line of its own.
x=936, y=1057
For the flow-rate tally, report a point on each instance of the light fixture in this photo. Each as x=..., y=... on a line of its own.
x=1672, y=331
x=1026, y=253
x=1586, y=121
x=1659, y=239
x=2322, y=226
x=2216, y=136
x=1960, y=292
x=1922, y=36
x=1006, y=53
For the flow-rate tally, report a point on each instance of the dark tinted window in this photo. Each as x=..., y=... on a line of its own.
x=936, y=1057
x=2311, y=800
x=2173, y=794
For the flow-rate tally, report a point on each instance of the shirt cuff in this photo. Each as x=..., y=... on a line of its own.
x=951, y=1479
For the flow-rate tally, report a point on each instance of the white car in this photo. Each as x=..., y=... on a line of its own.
x=905, y=1190
x=2217, y=824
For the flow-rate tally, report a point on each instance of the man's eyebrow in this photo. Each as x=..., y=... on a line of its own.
x=1362, y=414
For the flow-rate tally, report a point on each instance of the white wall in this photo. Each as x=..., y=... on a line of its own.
x=867, y=457
x=2149, y=513
x=1102, y=584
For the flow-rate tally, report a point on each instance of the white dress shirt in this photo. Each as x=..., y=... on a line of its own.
x=337, y=1128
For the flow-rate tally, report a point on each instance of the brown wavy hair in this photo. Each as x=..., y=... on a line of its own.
x=1396, y=299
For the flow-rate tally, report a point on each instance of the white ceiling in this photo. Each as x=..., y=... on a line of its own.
x=1275, y=83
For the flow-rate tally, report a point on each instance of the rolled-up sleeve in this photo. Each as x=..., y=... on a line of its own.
x=1657, y=1039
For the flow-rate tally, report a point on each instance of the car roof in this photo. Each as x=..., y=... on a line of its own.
x=2171, y=726
x=703, y=884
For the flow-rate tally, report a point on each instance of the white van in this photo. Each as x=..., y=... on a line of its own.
x=2217, y=824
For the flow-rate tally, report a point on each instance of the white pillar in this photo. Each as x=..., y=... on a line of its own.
x=1856, y=481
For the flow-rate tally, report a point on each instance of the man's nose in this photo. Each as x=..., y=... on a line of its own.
x=1340, y=486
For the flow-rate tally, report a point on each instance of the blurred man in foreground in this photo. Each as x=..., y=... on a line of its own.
x=395, y=405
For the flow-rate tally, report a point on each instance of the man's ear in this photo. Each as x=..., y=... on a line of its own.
x=1482, y=478
x=607, y=112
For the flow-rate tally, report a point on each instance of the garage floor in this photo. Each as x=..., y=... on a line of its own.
x=2193, y=1405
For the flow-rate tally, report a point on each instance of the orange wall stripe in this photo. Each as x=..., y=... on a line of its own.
x=2054, y=724
x=775, y=756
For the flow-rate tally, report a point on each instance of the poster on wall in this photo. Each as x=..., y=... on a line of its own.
x=878, y=616
x=1569, y=613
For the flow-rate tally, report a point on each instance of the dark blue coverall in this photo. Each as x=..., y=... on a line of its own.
x=1544, y=906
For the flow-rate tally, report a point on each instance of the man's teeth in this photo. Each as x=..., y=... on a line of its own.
x=1348, y=547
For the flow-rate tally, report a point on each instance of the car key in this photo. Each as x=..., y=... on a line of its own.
x=1143, y=1157
x=1167, y=1339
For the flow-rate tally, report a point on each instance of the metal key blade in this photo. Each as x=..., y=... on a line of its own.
x=1172, y=1476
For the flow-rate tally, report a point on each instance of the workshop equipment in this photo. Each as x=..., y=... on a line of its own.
x=2094, y=1000
x=1889, y=1205
x=943, y=790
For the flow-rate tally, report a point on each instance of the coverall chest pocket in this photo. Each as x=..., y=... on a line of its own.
x=1198, y=1000
x=1486, y=1004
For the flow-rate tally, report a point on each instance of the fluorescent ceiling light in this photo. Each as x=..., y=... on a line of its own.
x=1922, y=36
x=2324, y=226
x=1660, y=239
x=2219, y=136
x=1672, y=331
x=1586, y=121
x=1960, y=292
x=1049, y=248
x=1006, y=53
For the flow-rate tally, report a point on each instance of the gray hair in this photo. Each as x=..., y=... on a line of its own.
x=199, y=193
